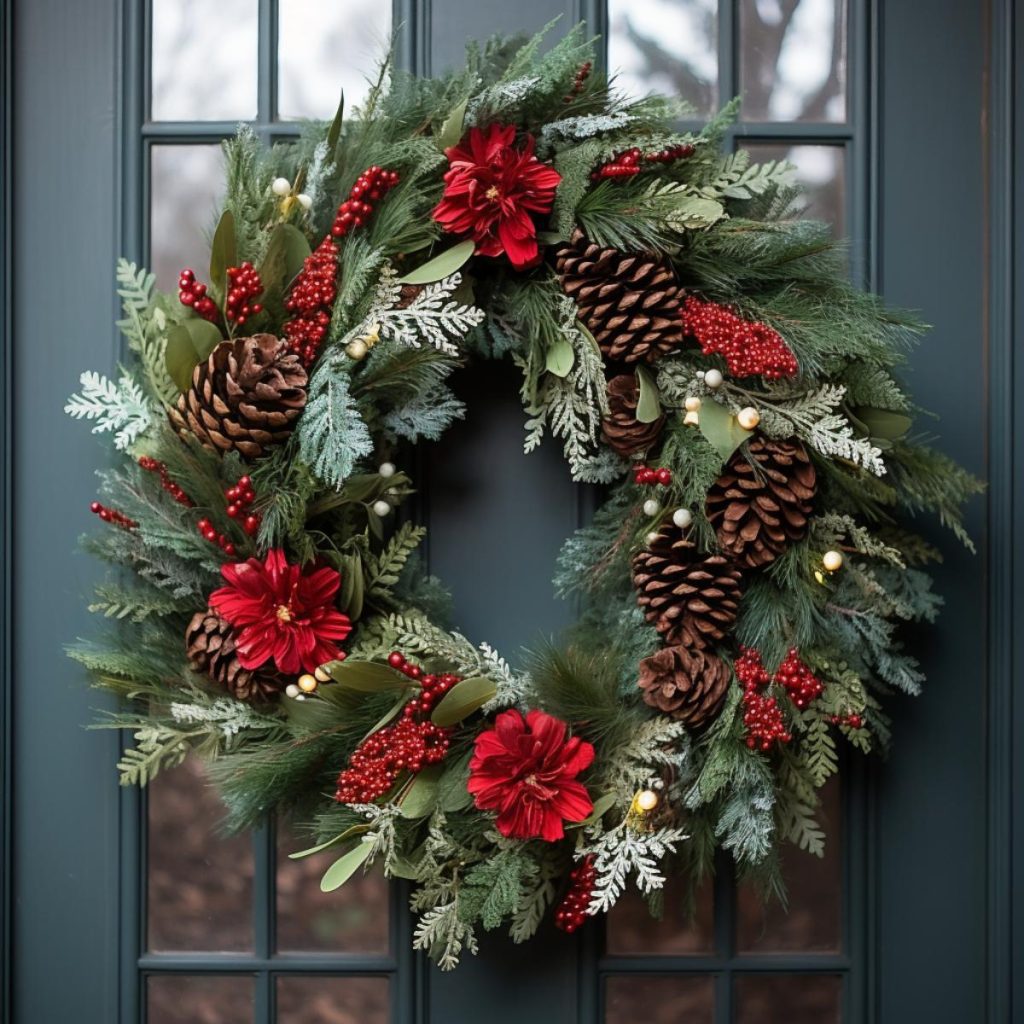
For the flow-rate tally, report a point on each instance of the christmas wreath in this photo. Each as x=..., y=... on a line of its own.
x=696, y=348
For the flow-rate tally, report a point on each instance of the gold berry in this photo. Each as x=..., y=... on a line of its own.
x=356, y=349
x=832, y=560
x=748, y=418
x=692, y=404
x=646, y=800
x=307, y=683
x=321, y=673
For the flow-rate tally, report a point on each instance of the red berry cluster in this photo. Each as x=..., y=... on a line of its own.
x=572, y=911
x=240, y=497
x=370, y=186
x=111, y=515
x=853, y=721
x=311, y=299
x=647, y=475
x=799, y=681
x=411, y=744
x=214, y=536
x=193, y=294
x=750, y=348
x=625, y=165
x=762, y=715
x=152, y=465
x=582, y=74
x=243, y=284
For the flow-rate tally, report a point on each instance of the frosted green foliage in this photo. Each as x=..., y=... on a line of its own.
x=121, y=408
x=144, y=325
x=430, y=412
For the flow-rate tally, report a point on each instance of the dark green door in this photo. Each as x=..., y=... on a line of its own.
x=901, y=120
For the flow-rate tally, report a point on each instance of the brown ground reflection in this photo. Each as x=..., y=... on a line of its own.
x=659, y=1000
x=178, y=999
x=319, y=1000
x=632, y=930
x=796, y=999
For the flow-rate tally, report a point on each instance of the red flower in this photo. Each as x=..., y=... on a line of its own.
x=526, y=771
x=490, y=191
x=280, y=613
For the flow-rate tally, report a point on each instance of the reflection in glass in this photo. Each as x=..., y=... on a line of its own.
x=354, y=919
x=632, y=930
x=793, y=60
x=324, y=48
x=204, y=60
x=208, y=999
x=820, y=170
x=323, y=1000
x=630, y=999
x=199, y=883
x=668, y=46
x=812, y=923
x=788, y=999
x=186, y=186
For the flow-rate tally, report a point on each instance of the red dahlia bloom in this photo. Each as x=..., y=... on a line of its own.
x=526, y=771
x=281, y=614
x=491, y=188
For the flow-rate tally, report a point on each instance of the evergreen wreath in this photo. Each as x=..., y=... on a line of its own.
x=693, y=344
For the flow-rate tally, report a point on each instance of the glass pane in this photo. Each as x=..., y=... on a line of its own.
x=200, y=883
x=812, y=923
x=207, y=999
x=788, y=999
x=793, y=60
x=186, y=186
x=632, y=930
x=631, y=999
x=326, y=47
x=820, y=170
x=332, y=1001
x=668, y=46
x=353, y=919
x=204, y=60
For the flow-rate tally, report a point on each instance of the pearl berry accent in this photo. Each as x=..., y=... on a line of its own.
x=646, y=800
x=386, y=469
x=748, y=418
x=381, y=508
x=291, y=690
x=651, y=507
x=832, y=560
x=714, y=379
x=307, y=683
x=281, y=187
x=306, y=202
x=682, y=517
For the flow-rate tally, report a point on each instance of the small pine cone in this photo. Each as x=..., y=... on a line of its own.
x=621, y=429
x=688, y=685
x=690, y=600
x=763, y=500
x=245, y=397
x=210, y=644
x=628, y=300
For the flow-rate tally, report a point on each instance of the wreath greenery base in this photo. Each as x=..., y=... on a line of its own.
x=691, y=342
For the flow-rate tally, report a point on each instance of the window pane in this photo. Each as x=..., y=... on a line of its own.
x=325, y=47
x=354, y=919
x=332, y=1001
x=668, y=46
x=820, y=170
x=813, y=920
x=632, y=930
x=186, y=185
x=788, y=999
x=631, y=999
x=793, y=60
x=216, y=999
x=200, y=884
x=204, y=60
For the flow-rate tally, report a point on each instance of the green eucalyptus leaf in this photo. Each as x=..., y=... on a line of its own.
x=387, y=717
x=406, y=867
x=188, y=344
x=441, y=266
x=463, y=699
x=334, y=132
x=223, y=252
x=354, y=830
x=451, y=129
x=375, y=523
x=648, y=408
x=696, y=212
x=420, y=798
x=452, y=794
x=365, y=676
x=721, y=428
x=560, y=358
x=882, y=423
x=345, y=867
x=286, y=252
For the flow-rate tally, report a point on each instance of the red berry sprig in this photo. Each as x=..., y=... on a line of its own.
x=572, y=911
x=243, y=284
x=799, y=681
x=854, y=721
x=762, y=715
x=111, y=515
x=152, y=465
x=214, y=536
x=750, y=348
x=628, y=163
x=582, y=74
x=311, y=299
x=193, y=294
x=648, y=475
x=239, y=498
x=370, y=186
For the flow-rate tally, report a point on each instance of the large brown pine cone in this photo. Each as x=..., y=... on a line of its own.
x=210, y=644
x=621, y=429
x=688, y=685
x=763, y=500
x=245, y=397
x=628, y=300
x=690, y=599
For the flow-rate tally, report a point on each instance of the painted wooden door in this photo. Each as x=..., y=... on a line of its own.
x=900, y=117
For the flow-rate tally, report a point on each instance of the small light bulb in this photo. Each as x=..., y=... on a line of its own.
x=647, y=800
x=832, y=560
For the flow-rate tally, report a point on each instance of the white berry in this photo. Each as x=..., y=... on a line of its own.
x=713, y=378
x=281, y=187
x=832, y=560
x=381, y=508
x=651, y=507
x=386, y=469
x=651, y=538
x=292, y=690
x=748, y=418
x=306, y=202
x=682, y=517
x=693, y=404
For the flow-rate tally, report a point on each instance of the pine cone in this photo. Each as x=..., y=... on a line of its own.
x=628, y=300
x=761, y=502
x=690, y=600
x=621, y=429
x=210, y=644
x=245, y=397
x=688, y=685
